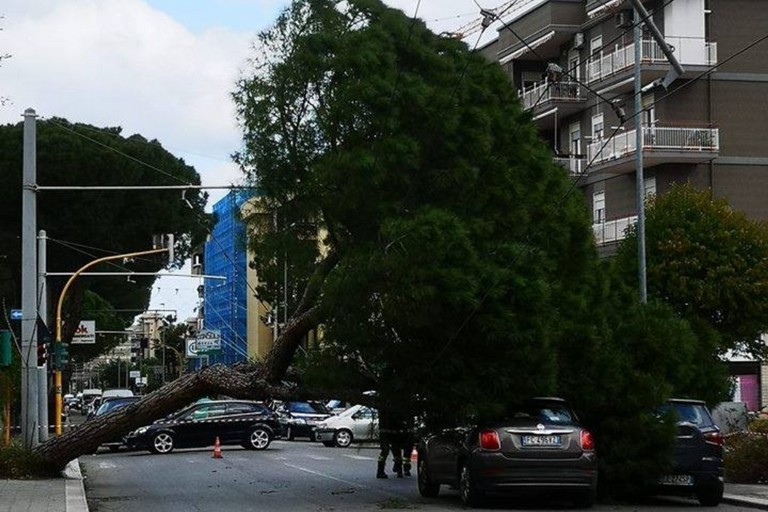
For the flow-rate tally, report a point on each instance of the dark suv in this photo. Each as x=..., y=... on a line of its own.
x=697, y=468
x=538, y=446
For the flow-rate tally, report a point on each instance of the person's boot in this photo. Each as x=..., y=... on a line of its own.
x=398, y=469
x=380, y=470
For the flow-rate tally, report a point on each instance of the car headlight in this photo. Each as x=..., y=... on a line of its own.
x=140, y=431
x=322, y=425
x=298, y=421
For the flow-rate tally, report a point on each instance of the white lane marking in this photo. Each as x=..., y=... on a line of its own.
x=354, y=484
x=318, y=457
x=359, y=457
x=107, y=465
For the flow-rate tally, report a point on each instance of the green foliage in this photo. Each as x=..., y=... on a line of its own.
x=745, y=456
x=457, y=237
x=85, y=225
x=710, y=263
x=759, y=425
x=17, y=462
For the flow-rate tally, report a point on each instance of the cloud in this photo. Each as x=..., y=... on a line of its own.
x=123, y=63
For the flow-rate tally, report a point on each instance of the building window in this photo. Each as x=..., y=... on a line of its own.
x=595, y=45
x=650, y=187
x=597, y=127
x=598, y=207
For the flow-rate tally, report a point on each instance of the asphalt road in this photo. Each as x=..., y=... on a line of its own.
x=289, y=476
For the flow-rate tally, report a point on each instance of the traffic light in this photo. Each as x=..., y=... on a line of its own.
x=6, y=349
x=42, y=353
x=60, y=355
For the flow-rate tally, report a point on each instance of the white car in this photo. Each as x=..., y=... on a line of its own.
x=358, y=423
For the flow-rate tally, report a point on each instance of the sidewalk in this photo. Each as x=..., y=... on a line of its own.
x=65, y=494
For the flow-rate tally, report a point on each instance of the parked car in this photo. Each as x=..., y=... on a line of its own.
x=299, y=419
x=537, y=446
x=250, y=424
x=697, y=468
x=358, y=423
x=108, y=405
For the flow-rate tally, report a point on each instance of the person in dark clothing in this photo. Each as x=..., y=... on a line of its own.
x=393, y=433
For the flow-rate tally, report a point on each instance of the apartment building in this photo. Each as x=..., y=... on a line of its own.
x=572, y=62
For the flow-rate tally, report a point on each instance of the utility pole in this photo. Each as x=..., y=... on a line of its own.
x=640, y=176
x=42, y=312
x=29, y=393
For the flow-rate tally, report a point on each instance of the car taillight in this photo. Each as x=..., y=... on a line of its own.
x=489, y=440
x=587, y=441
x=714, y=438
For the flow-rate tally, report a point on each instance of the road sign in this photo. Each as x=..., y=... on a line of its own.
x=85, y=333
x=133, y=374
x=204, y=343
x=16, y=314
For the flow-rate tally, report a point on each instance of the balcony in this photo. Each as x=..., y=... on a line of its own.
x=567, y=96
x=613, y=230
x=689, y=52
x=574, y=165
x=660, y=145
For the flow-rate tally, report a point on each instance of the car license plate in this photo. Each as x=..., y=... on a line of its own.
x=540, y=440
x=686, y=480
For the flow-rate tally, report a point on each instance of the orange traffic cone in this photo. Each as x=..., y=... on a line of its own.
x=217, y=449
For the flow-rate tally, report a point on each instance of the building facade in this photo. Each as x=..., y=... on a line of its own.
x=573, y=63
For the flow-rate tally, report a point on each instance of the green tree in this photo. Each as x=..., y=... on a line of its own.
x=449, y=237
x=85, y=225
x=709, y=263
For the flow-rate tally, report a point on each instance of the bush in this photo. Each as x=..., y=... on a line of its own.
x=745, y=456
x=19, y=463
x=759, y=425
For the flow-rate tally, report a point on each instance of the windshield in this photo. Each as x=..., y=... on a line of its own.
x=695, y=413
x=306, y=408
x=111, y=405
x=552, y=413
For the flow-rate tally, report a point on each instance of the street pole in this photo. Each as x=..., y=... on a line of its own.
x=42, y=312
x=640, y=177
x=57, y=372
x=29, y=393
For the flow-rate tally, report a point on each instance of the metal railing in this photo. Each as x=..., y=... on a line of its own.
x=612, y=230
x=546, y=90
x=575, y=165
x=654, y=137
x=688, y=50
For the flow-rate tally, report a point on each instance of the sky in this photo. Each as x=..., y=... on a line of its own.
x=162, y=68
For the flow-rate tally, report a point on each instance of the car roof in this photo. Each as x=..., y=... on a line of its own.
x=686, y=401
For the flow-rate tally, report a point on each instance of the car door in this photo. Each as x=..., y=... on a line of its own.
x=240, y=417
x=200, y=425
x=362, y=424
x=443, y=451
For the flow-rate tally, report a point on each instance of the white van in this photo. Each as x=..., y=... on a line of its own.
x=111, y=393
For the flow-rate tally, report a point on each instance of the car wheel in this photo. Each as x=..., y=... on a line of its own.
x=312, y=436
x=710, y=496
x=329, y=444
x=343, y=438
x=114, y=449
x=427, y=487
x=259, y=438
x=470, y=495
x=162, y=443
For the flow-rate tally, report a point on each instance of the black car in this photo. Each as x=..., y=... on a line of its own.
x=112, y=404
x=697, y=464
x=538, y=446
x=234, y=422
x=299, y=419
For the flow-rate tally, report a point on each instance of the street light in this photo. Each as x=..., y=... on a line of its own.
x=57, y=343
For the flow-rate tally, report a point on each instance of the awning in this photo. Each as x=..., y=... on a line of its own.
x=526, y=48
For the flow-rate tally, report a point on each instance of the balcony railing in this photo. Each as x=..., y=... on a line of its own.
x=695, y=140
x=688, y=50
x=575, y=165
x=612, y=230
x=542, y=92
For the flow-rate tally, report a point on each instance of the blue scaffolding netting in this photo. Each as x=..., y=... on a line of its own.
x=225, y=308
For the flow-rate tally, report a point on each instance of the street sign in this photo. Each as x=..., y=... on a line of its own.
x=85, y=333
x=204, y=343
x=16, y=314
x=133, y=374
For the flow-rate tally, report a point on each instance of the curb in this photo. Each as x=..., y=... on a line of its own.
x=746, y=501
x=74, y=488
